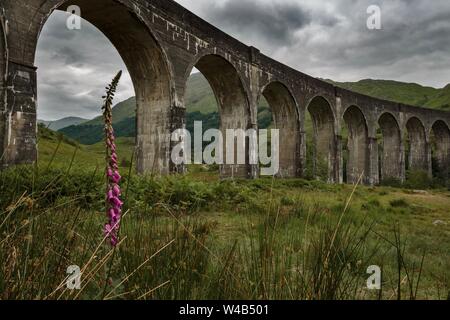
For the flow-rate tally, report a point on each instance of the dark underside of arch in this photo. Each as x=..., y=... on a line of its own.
x=417, y=157
x=285, y=118
x=391, y=148
x=358, y=145
x=324, y=148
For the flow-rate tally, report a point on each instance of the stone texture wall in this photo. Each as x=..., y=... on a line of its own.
x=392, y=160
x=441, y=147
x=324, y=136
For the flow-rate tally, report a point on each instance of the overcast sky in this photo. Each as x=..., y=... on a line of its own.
x=327, y=39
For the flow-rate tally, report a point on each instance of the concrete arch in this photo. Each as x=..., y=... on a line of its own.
x=358, y=145
x=224, y=80
x=150, y=72
x=441, y=149
x=233, y=104
x=417, y=145
x=286, y=119
x=220, y=56
x=324, y=140
x=392, y=157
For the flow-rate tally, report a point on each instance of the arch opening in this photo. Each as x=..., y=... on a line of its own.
x=233, y=106
x=440, y=142
x=283, y=111
x=201, y=107
x=321, y=140
x=390, y=149
x=416, y=146
x=357, y=147
x=149, y=72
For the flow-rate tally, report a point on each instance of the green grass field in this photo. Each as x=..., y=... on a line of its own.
x=196, y=237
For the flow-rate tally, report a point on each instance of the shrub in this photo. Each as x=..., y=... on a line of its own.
x=374, y=203
x=391, y=182
x=287, y=201
x=399, y=203
x=418, y=179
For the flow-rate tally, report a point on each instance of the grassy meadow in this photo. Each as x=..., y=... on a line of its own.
x=196, y=237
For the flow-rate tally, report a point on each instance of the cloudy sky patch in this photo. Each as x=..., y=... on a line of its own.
x=327, y=39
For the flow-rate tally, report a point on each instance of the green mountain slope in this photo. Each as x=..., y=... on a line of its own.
x=408, y=93
x=121, y=111
x=201, y=105
x=62, y=123
x=59, y=153
x=199, y=97
x=441, y=100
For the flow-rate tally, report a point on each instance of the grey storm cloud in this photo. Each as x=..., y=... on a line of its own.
x=333, y=40
x=74, y=67
x=327, y=39
x=275, y=23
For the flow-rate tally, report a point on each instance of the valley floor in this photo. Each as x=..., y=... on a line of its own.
x=195, y=237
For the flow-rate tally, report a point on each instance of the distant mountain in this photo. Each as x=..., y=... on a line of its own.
x=441, y=100
x=407, y=93
x=199, y=96
x=44, y=122
x=62, y=123
x=201, y=106
x=121, y=111
x=200, y=102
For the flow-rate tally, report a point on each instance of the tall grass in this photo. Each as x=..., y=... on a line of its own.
x=287, y=248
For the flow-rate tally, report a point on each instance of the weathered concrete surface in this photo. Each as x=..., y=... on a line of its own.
x=441, y=148
x=160, y=42
x=286, y=119
x=358, y=145
x=324, y=136
x=418, y=146
x=391, y=149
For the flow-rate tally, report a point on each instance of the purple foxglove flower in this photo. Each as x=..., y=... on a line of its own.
x=116, y=191
x=110, y=195
x=116, y=177
x=116, y=202
x=113, y=202
x=108, y=229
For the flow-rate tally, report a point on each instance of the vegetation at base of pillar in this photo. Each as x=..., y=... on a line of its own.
x=113, y=192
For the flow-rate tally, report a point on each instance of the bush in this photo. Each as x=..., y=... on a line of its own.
x=46, y=187
x=287, y=201
x=392, y=182
x=418, y=179
x=399, y=203
x=374, y=203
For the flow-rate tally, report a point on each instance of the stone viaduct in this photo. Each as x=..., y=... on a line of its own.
x=161, y=42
